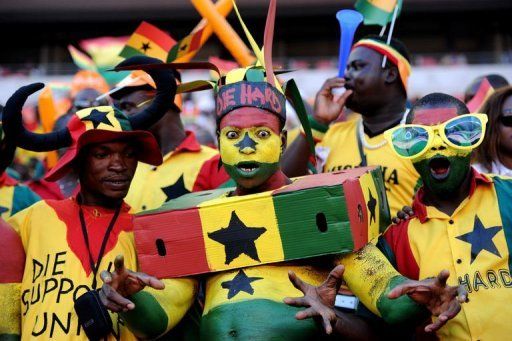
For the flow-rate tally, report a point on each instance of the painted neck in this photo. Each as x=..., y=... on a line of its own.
x=384, y=117
x=448, y=203
x=277, y=180
x=169, y=132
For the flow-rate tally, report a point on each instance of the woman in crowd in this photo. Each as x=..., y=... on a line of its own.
x=495, y=153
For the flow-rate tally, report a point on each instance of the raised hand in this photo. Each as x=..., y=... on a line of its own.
x=121, y=284
x=319, y=300
x=328, y=106
x=440, y=299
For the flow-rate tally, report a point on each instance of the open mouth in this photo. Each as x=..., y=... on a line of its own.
x=248, y=167
x=439, y=168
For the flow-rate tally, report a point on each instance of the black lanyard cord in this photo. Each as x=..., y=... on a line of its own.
x=95, y=267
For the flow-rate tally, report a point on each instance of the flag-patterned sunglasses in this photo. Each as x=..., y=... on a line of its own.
x=463, y=132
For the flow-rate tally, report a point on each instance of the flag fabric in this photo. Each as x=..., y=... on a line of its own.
x=378, y=12
x=208, y=231
x=104, y=51
x=189, y=44
x=81, y=60
x=484, y=91
x=148, y=40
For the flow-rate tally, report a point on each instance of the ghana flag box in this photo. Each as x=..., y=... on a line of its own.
x=316, y=215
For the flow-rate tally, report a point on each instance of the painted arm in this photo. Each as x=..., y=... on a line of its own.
x=150, y=307
x=327, y=109
x=319, y=302
x=12, y=255
x=394, y=297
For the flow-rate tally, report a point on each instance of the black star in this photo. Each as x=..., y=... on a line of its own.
x=183, y=47
x=175, y=190
x=97, y=117
x=3, y=210
x=237, y=238
x=372, y=204
x=481, y=239
x=240, y=283
x=145, y=47
x=246, y=142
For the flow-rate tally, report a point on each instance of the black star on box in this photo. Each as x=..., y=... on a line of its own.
x=481, y=239
x=97, y=117
x=246, y=142
x=372, y=204
x=240, y=283
x=175, y=190
x=238, y=239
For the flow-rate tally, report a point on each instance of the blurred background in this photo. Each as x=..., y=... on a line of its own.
x=451, y=41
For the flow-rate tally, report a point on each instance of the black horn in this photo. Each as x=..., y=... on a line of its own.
x=15, y=131
x=165, y=91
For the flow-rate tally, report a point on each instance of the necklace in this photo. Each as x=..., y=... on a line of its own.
x=362, y=137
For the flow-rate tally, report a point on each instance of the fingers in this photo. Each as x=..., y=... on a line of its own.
x=343, y=98
x=335, y=277
x=106, y=277
x=297, y=282
x=395, y=220
x=402, y=215
x=443, y=277
x=296, y=301
x=331, y=83
x=462, y=294
x=114, y=301
x=408, y=210
x=401, y=289
x=326, y=315
x=119, y=264
x=147, y=280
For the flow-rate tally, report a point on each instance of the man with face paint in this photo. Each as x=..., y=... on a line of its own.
x=188, y=166
x=462, y=219
x=379, y=95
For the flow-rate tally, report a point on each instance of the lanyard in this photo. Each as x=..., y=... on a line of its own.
x=95, y=267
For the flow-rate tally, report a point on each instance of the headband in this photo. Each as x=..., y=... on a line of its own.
x=404, y=68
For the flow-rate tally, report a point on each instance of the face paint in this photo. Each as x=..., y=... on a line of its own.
x=433, y=116
x=442, y=168
x=250, y=153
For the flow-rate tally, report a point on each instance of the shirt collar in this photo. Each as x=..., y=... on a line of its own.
x=189, y=144
x=420, y=209
x=99, y=210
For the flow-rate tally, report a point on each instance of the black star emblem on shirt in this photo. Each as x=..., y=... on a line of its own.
x=481, y=239
x=175, y=190
x=372, y=204
x=246, y=142
x=3, y=210
x=97, y=117
x=145, y=47
x=240, y=283
x=183, y=47
x=237, y=238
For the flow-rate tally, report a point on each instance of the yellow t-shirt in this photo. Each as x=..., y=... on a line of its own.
x=339, y=150
x=474, y=244
x=57, y=269
x=177, y=175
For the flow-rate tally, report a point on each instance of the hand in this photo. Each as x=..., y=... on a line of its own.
x=403, y=215
x=327, y=106
x=123, y=283
x=441, y=300
x=318, y=300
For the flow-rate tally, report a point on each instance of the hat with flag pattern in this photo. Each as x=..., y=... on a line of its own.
x=99, y=125
x=95, y=125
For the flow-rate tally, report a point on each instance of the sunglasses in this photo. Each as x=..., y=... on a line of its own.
x=83, y=104
x=506, y=121
x=127, y=106
x=464, y=132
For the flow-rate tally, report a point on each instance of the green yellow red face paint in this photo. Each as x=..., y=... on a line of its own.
x=250, y=143
x=442, y=167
